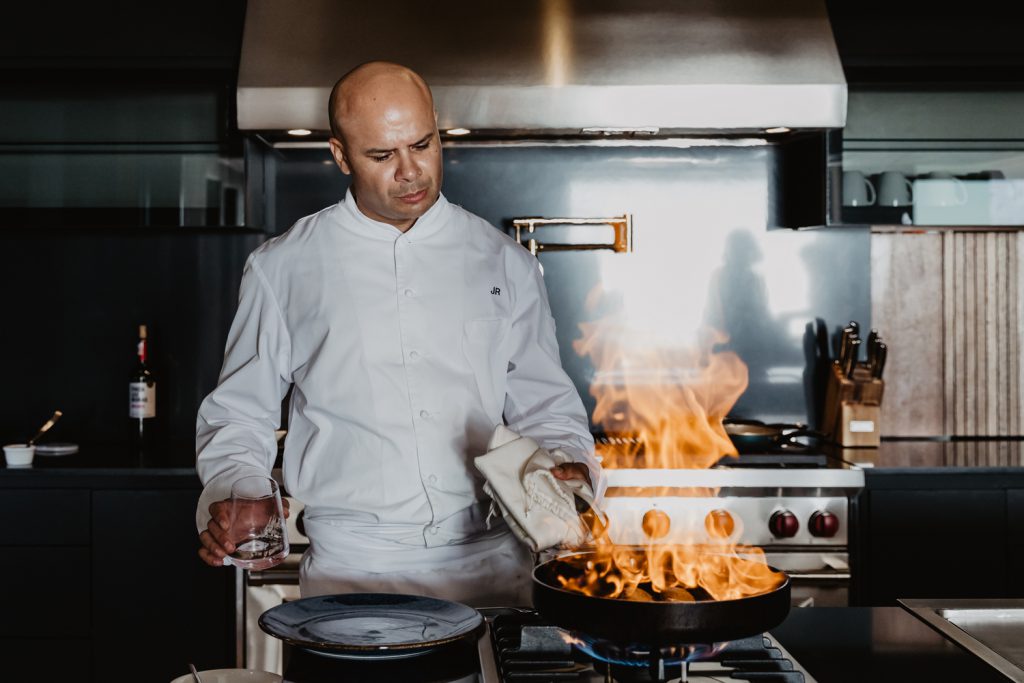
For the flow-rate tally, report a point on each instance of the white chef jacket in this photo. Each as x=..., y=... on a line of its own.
x=405, y=350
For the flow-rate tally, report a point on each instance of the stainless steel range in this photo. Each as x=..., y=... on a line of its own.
x=796, y=506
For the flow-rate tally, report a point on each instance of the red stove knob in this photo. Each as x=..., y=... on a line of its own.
x=783, y=524
x=823, y=524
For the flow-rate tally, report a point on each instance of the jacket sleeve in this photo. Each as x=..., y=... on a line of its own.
x=541, y=401
x=236, y=421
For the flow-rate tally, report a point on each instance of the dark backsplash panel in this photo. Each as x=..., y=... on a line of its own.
x=73, y=300
x=704, y=253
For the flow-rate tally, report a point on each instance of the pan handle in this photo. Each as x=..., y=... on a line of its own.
x=822, y=577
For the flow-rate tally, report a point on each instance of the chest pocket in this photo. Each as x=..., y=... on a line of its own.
x=484, y=350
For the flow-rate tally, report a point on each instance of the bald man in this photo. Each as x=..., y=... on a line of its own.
x=408, y=328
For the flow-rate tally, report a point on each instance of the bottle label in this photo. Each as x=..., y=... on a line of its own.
x=141, y=399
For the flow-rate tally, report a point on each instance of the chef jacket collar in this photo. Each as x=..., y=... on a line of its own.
x=435, y=218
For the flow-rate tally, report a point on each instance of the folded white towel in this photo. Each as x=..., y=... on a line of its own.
x=538, y=507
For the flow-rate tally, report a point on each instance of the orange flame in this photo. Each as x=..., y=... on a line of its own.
x=662, y=403
x=671, y=399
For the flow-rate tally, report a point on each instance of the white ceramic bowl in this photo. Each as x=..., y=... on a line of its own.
x=19, y=455
x=231, y=676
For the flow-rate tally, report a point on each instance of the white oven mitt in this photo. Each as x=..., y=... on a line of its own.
x=537, y=506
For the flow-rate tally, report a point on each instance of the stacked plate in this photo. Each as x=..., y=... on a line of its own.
x=56, y=448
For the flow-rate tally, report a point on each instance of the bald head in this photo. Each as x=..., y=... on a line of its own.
x=365, y=87
x=384, y=135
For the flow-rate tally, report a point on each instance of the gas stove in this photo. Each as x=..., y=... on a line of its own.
x=518, y=645
x=526, y=648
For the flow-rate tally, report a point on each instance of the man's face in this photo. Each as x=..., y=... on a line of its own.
x=392, y=150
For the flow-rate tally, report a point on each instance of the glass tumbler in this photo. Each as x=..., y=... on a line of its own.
x=256, y=525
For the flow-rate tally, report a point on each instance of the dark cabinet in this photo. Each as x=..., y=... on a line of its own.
x=44, y=571
x=1015, y=535
x=940, y=536
x=102, y=581
x=156, y=606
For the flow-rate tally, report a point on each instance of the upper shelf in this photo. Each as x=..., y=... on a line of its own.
x=944, y=159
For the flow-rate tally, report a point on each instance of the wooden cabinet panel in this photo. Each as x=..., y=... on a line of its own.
x=44, y=517
x=906, y=273
x=46, y=592
x=948, y=305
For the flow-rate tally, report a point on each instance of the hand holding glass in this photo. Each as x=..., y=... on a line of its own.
x=256, y=524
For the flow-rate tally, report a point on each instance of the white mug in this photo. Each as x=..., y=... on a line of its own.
x=857, y=189
x=894, y=189
x=940, y=188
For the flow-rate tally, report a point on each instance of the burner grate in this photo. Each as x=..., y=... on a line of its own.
x=529, y=649
x=787, y=454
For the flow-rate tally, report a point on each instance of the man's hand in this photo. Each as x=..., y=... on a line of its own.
x=572, y=470
x=214, y=539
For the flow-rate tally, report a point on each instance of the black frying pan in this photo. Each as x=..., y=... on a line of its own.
x=754, y=436
x=653, y=623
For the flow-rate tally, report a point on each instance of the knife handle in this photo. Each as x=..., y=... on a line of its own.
x=851, y=359
x=880, y=353
x=844, y=345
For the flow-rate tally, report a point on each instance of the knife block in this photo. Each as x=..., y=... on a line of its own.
x=853, y=408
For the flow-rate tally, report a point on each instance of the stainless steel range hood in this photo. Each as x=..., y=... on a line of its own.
x=555, y=67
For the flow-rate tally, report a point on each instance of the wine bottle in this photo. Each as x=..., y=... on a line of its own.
x=142, y=400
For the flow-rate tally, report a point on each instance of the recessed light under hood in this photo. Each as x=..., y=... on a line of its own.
x=555, y=67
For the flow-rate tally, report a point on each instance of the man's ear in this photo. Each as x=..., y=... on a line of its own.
x=338, y=152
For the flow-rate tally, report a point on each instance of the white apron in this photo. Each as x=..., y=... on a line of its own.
x=491, y=572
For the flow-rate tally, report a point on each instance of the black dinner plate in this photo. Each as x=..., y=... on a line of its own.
x=371, y=625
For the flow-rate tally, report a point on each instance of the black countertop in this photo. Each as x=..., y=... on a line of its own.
x=1005, y=455
x=102, y=466
x=876, y=644
x=992, y=458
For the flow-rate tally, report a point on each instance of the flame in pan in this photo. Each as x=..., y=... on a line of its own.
x=669, y=572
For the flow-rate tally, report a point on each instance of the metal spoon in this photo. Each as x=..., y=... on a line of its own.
x=46, y=427
x=195, y=674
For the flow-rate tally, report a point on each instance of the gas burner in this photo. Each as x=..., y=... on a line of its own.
x=801, y=450
x=526, y=648
x=792, y=455
x=633, y=662
x=641, y=655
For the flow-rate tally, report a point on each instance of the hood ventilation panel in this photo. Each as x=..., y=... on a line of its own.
x=556, y=67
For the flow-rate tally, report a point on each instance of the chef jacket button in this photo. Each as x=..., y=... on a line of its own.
x=433, y=531
x=424, y=414
x=432, y=478
x=409, y=292
x=414, y=354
